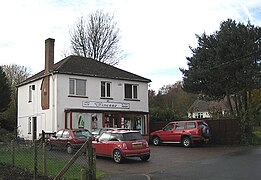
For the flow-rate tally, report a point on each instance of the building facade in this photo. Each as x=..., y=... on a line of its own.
x=79, y=92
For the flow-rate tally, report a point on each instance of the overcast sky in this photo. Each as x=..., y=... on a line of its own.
x=156, y=34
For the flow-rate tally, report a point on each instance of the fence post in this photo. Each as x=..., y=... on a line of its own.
x=83, y=174
x=94, y=162
x=91, y=167
x=43, y=136
x=35, y=160
x=44, y=159
x=13, y=153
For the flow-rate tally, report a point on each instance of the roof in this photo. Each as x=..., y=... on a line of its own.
x=206, y=106
x=77, y=65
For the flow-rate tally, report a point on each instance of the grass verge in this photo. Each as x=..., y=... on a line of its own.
x=24, y=158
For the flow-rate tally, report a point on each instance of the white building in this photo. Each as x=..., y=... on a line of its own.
x=79, y=92
x=207, y=109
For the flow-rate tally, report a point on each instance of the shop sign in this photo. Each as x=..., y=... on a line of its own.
x=115, y=105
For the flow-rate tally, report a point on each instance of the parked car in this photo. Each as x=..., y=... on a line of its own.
x=121, y=144
x=69, y=139
x=98, y=132
x=185, y=132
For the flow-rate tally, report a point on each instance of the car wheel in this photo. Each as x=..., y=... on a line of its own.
x=49, y=146
x=117, y=156
x=69, y=149
x=156, y=141
x=186, y=141
x=145, y=158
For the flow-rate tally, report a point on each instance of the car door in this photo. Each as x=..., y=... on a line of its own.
x=178, y=131
x=167, y=132
x=101, y=144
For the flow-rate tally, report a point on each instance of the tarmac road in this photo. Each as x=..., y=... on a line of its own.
x=169, y=162
x=177, y=162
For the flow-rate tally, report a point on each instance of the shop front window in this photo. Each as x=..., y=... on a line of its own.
x=134, y=122
x=82, y=120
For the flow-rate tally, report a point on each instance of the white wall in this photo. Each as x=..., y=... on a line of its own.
x=27, y=110
x=94, y=94
x=53, y=119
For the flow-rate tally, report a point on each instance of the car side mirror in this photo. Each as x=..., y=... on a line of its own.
x=97, y=139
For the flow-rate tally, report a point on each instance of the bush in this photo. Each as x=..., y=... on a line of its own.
x=257, y=135
x=6, y=136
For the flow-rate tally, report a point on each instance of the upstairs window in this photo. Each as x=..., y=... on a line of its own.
x=131, y=91
x=105, y=89
x=77, y=87
x=30, y=95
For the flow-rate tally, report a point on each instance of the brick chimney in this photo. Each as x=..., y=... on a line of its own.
x=49, y=55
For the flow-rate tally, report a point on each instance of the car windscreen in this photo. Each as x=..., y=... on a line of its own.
x=82, y=133
x=131, y=136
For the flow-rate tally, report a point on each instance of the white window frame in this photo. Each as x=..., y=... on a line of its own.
x=30, y=95
x=134, y=91
x=106, y=94
x=75, y=88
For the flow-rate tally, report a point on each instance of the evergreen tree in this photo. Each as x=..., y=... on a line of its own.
x=5, y=91
x=227, y=64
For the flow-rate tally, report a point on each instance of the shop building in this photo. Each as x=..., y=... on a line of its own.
x=79, y=92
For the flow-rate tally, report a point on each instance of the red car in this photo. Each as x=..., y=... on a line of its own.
x=184, y=132
x=70, y=139
x=120, y=144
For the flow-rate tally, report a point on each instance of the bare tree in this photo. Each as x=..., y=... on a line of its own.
x=15, y=75
x=97, y=37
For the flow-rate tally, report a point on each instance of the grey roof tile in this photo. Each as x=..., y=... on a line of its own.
x=77, y=65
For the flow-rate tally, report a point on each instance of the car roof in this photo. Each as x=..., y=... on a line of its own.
x=110, y=128
x=123, y=131
x=188, y=121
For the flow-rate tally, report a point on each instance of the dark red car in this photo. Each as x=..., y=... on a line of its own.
x=70, y=139
x=120, y=144
x=184, y=132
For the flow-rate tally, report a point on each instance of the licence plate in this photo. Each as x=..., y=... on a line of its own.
x=136, y=145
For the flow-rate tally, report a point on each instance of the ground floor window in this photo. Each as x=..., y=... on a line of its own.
x=95, y=120
x=90, y=121
x=135, y=122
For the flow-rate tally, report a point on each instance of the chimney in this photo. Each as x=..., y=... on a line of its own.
x=49, y=55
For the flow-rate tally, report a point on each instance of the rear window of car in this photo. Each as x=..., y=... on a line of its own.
x=131, y=136
x=65, y=134
x=82, y=134
x=191, y=125
x=59, y=133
